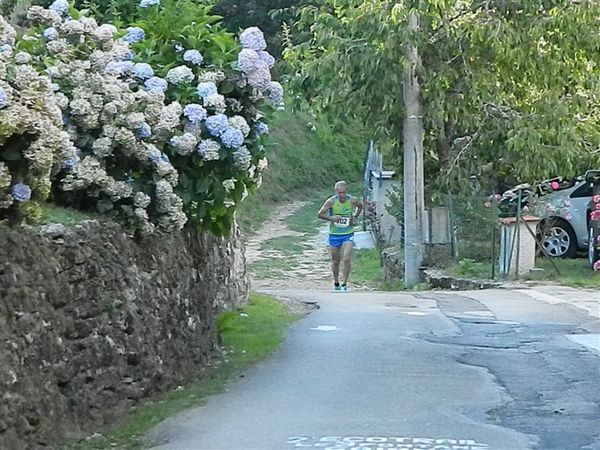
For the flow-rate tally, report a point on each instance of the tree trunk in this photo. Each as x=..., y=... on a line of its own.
x=413, y=164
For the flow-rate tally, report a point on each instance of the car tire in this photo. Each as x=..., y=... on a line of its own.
x=558, y=239
x=593, y=251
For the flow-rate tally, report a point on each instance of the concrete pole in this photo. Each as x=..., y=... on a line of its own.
x=414, y=199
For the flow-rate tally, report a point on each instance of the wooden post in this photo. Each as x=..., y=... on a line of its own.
x=414, y=199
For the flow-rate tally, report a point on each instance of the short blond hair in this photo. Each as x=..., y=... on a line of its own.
x=340, y=184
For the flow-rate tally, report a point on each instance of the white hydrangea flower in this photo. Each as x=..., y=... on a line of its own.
x=72, y=28
x=180, y=75
x=22, y=58
x=240, y=123
x=184, y=144
x=104, y=32
x=216, y=102
x=103, y=147
x=212, y=77
x=229, y=184
x=262, y=165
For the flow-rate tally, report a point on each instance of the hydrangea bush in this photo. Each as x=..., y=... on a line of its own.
x=162, y=121
x=104, y=161
x=224, y=91
x=30, y=129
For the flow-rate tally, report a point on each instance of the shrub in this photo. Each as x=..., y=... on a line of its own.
x=30, y=127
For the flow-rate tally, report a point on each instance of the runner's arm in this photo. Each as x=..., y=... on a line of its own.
x=359, y=207
x=324, y=212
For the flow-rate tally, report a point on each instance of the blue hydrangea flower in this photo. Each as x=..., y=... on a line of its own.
x=194, y=57
x=148, y=3
x=119, y=68
x=128, y=55
x=275, y=92
x=156, y=84
x=232, y=138
x=195, y=113
x=6, y=50
x=248, y=60
x=144, y=131
x=217, y=124
x=267, y=58
x=134, y=34
x=59, y=7
x=261, y=128
x=51, y=33
x=21, y=192
x=3, y=98
x=253, y=38
x=143, y=71
x=206, y=89
x=69, y=164
x=164, y=157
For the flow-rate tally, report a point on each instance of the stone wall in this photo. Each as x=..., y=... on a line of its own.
x=92, y=321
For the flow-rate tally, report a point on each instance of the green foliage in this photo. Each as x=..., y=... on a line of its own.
x=573, y=272
x=268, y=15
x=66, y=216
x=307, y=155
x=472, y=269
x=509, y=93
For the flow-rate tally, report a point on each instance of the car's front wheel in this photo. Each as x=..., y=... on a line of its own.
x=558, y=239
x=593, y=251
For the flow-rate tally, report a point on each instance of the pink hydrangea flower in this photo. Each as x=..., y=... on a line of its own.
x=595, y=215
x=555, y=185
x=597, y=265
x=596, y=198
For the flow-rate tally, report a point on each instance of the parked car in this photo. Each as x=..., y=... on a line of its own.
x=564, y=207
x=593, y=178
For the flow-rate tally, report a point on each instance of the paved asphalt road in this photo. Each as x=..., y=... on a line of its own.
x=483, y=370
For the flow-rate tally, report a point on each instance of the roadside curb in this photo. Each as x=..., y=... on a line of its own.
x=441, y=280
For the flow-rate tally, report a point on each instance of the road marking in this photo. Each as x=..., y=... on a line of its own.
x=325, y=328
x=587, y=340
x=415, y=313
x=383, y=443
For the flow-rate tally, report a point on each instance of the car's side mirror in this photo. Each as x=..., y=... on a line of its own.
x=593, y=177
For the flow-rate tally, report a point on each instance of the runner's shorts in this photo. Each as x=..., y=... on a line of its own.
x=337, y=240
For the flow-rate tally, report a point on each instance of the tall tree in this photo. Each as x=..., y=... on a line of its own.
x=510, y=88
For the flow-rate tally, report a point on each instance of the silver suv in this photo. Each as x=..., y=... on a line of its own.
x=564, y=228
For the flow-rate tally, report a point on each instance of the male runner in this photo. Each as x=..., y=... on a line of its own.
x=340, y=211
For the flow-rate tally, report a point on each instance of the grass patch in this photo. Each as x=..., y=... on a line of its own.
x=470, y=268
x=248, y=337
x=272, y=267
x=285, y=244
x=66, y=216
x=573, y=272
x=367, y=271
x=305, y=219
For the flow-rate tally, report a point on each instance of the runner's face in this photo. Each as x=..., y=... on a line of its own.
x=341, y=193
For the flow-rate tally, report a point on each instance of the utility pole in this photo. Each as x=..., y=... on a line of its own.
x=414, y=198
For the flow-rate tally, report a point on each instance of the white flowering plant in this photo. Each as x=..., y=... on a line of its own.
x=30, y=126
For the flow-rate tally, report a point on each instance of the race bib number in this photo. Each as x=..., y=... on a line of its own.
x=343, y=222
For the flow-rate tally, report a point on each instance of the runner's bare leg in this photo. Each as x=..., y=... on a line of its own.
x=347, y=259
x=335, y=263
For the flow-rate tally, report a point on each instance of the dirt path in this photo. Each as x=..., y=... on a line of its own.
x=280, y=258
